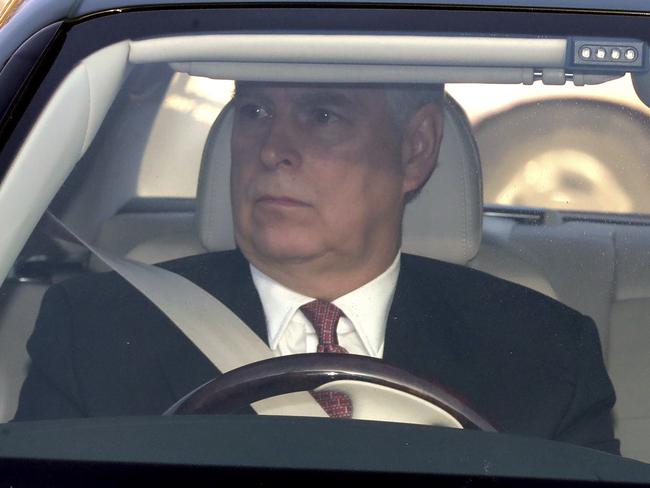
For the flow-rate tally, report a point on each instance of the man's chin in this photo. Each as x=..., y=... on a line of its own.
x=289, y=255
x=284, y=252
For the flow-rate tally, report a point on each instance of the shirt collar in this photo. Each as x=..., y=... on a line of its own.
x=366, y=307
x=279, y=303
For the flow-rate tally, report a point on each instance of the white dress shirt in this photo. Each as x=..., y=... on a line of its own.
x=361, y=329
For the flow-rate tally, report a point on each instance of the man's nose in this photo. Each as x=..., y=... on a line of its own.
x=279, y=146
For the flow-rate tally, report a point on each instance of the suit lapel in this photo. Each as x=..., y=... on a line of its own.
x=421, y=329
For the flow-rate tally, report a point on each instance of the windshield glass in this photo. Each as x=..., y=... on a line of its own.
x=460, y=243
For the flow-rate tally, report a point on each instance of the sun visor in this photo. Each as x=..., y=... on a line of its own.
x=359, y=58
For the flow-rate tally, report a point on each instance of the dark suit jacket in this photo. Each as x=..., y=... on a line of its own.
x=528, y=363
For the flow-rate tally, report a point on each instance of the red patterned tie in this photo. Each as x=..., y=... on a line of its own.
x=325, y=316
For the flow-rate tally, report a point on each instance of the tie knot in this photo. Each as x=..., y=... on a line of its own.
x=324, y=316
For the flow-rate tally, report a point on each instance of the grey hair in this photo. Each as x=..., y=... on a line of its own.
x=406, y=100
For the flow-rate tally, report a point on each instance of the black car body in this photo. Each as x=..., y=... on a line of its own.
x=591, y=255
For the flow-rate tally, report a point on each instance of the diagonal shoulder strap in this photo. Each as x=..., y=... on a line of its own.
x=194, y=311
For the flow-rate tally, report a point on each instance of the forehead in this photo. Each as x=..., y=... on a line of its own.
x=371, y=97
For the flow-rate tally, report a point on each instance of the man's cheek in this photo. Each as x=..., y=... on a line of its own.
x=242, y=177
x=343, y=151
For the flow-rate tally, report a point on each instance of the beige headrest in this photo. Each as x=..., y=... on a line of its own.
x=443, y=222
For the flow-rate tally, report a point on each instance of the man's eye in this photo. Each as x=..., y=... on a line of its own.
x=255, y=112
x=324, y=116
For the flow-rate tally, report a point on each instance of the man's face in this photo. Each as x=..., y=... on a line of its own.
x=317, y=174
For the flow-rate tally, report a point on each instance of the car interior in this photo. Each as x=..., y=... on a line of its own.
x=597, y=263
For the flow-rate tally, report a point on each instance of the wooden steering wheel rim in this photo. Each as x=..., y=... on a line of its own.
x=303, y=372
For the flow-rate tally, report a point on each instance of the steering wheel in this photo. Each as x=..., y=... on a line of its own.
x=305, y=372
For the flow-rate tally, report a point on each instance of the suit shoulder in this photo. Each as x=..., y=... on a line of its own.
x=201, y=269
x=434, y=273
x=222, y=263
x=475, y=292
x=106, y=306
x=500, y=314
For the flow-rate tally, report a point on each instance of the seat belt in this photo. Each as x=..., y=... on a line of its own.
x=211, y=326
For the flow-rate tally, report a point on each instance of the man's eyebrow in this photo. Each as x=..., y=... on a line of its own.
x=306, y=98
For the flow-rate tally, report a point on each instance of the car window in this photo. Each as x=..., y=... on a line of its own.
x=568, y=176
x=560, y=164
x=190, y=107
x=453, y=213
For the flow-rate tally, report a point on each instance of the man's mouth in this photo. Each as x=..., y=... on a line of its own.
x=281, y=201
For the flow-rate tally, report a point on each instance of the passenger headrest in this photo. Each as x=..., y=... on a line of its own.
x=443, y=222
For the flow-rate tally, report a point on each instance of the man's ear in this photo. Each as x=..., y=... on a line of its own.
x=420, y=146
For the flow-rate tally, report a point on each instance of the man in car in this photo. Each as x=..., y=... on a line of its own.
x=320, y=178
